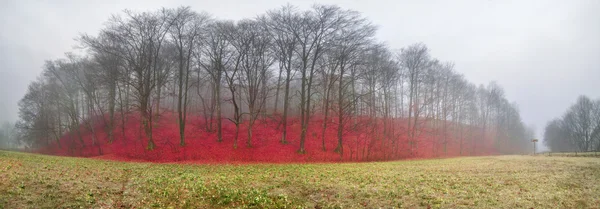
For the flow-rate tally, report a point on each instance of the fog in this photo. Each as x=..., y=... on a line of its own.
x=543, y=53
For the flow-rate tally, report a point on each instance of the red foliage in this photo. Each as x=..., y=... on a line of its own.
x=361, y=142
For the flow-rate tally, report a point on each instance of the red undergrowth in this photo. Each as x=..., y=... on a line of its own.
x=361, y=142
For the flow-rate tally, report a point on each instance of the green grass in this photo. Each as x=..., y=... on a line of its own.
x=38, y=181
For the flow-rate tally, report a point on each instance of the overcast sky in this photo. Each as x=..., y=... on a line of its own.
x=544, y=53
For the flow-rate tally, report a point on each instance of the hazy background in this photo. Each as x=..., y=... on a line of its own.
x=544, y=53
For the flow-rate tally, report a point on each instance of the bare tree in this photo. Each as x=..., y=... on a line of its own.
x=8, y=136
x=216, y=57
x=581, y=123
x=255, y=65
x=281, y=24
x=141, y=37
x=240, y=37
x=63, y=73
x=110, y=73
x=329, y=65
x=33, y=125
x=186, y=32
x=315, y=29
x=354, y=35
x=415, y=59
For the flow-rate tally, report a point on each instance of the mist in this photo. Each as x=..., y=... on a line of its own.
x=299, y=104
x=544, y=53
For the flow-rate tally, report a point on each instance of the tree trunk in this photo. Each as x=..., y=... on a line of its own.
x=286, y=101
x=340, y=147
x=277, y=91
x=111, y=108
x=303, y=110
x=326, y=116
x=218, y=104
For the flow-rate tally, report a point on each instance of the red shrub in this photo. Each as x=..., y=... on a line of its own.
x=361, y=142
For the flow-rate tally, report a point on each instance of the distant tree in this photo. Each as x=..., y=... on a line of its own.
x=7, y=136
x=62, y=75
x=556, y=138
x=34, y=125
x=415, y=59
x=577, y=130
x=581, y=123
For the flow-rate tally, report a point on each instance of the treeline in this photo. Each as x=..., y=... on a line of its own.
x=8, y=136
x=323, y=63
x=578, y=130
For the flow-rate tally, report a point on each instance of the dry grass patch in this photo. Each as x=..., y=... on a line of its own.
x=38, y=181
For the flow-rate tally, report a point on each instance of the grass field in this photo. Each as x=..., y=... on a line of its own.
x=38, y=181
x=573, y=154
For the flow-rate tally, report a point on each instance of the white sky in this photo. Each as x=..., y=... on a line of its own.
x=544, y=53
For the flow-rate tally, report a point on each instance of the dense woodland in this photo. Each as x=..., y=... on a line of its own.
x=318, y=71
x=578, y=130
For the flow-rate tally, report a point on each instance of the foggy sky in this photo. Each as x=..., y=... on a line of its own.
x=543, y=53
